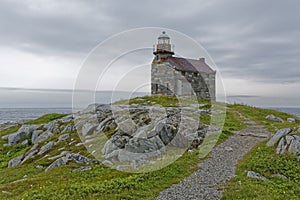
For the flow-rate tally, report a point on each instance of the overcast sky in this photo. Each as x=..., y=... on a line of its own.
x=254, y=43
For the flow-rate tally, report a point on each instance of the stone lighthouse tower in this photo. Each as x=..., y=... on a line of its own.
x=163, y=47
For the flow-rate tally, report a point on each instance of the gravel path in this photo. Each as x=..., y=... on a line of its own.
x=207, y=182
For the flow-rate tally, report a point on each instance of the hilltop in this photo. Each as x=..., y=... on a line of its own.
x=48, y=158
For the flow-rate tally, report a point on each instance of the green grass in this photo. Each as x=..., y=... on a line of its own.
x=165, y=101
x=99, y=183
x=46, y=118
x=263, y=160
x=258, y=115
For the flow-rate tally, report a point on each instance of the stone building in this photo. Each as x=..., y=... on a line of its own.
x=172, y=75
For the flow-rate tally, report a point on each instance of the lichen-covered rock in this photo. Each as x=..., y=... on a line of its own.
x=274, y=118
x=279, y=134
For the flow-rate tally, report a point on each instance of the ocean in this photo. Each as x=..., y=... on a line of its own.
x=293, y=111
x=17, y=114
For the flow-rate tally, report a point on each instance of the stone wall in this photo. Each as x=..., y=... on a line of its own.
x=168, y=81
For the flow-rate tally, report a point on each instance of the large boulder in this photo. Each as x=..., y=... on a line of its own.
x=24, y=132
x=274, y=118
x=289, y=143
x=22, y=158
x=279, y=134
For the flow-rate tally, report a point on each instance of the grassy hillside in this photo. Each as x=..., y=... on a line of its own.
x=30, y=181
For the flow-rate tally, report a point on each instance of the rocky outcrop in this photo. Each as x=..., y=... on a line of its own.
x=274, y=118
x=76, y=157
x=24, y=132
x=288, y=141
x=22, y=158
x=135, y=134
x=275, y=138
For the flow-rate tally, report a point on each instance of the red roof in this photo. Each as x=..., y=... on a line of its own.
x=189, y=65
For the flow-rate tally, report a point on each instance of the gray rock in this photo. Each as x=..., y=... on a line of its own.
x=284, y=144
x=279, y=176
x=53, y=126
x=274, y=118
x=22, y=158
x=84, y=168
x=42, y=137
x=291, y=120
x=35, y=134
x=123, y=167
x=81, y=159
x=252, y=174
x=24, y=132
x=69, y=128
x=25, y=142
x=140, y=145
x=279, y=134
x=127, y=126
x=63, y=137
x=136, y=159
x=31, y=152
x=88, y=129
x=67, y=119
x=15, y=161
x=294, y=147
x=46, y=147
x=107, y=162
x=58, y=163
x=228, y=149
x=63, y=153
x=106, y=125
x=109, y=147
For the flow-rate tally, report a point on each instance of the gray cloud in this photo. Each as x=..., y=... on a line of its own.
x=255, y=40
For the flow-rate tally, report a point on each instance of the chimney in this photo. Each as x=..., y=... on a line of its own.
x=202, y=59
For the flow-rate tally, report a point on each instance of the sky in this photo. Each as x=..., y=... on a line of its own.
x=254, y=44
